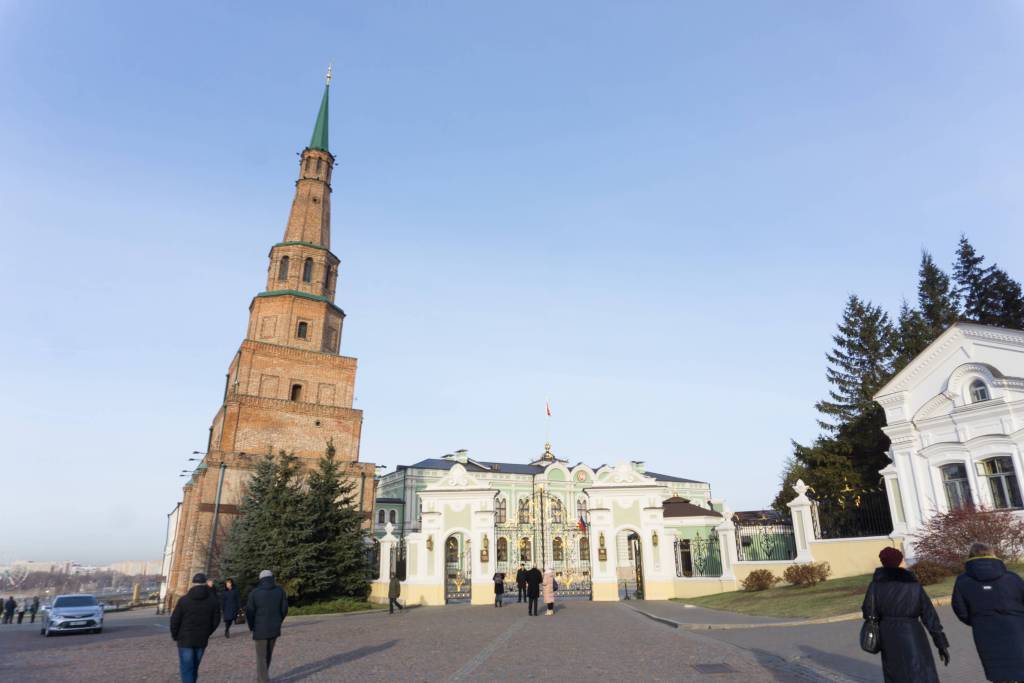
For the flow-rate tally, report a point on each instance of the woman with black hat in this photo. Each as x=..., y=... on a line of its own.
x=899, y=604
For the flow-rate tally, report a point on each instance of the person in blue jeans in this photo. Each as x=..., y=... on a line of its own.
x=194, y=619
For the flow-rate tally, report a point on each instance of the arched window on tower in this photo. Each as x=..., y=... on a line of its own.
x=327, y=277
x=392, y=516
x=296, y=394
x=380, y=516
x=319, y=165
x=282, y=270
x=307, y=270
x=302, y=331
x=979, y=391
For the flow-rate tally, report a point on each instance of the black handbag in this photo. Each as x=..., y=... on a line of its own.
x=240, y=617
x=870, y=640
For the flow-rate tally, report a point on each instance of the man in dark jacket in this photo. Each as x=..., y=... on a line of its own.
x=230, y=604
x=9, y=607
x=899, y=602
x=521, y=581
x=34, y=609
x=394, y=590
x=264, y=612
x=990, y=600
x=195, y=617
x=533, y=579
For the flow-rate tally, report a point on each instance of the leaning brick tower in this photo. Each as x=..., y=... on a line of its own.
x=287, y=387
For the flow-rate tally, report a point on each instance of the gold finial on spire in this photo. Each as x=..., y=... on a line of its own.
x=329, y=67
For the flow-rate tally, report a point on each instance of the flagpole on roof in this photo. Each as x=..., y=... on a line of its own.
x=547, y=424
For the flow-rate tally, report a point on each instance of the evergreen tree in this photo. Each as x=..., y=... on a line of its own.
x=911, y=336
x=860, y=363
x=936, y=298
x=331, y=550
x=970, y=278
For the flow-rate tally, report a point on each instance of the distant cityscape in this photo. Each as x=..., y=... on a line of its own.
x=71, y=568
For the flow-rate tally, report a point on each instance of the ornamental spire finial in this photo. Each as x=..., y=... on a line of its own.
x=330, y=66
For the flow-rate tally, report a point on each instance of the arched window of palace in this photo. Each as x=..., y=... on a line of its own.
x=557, y=511
x=282, y=270
x=1002, y=482
x=380, y=517
x=581, y=505
x=307, y=270
x=392, y=516
x=296, y=394
x=557, y=550
x=524, y=550
x=502, y=549
x=958, y=489
x=524, y=511
x=451, y=550
x=500, y=511
x=584, y=549
x=979, y=391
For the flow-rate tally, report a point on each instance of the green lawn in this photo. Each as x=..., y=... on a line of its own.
x=828, y=599
x=338, y=606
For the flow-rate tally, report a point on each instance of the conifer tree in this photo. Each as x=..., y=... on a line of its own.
x=990, y=296
x=331, y=547
x=911, y=336
x=936, y=298
x=970, y=278
x=860, y=363
x=1005, y=301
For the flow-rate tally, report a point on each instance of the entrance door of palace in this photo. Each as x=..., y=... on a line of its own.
x=543, y=534
x=638, y=564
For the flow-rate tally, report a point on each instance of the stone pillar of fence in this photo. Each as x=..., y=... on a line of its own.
x=803, y=522
x=387, y=543
x=727, y=544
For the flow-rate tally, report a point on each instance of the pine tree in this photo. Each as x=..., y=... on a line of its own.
x=860, y=363
x=330, y=550
x=911, y=336
x=970, y=276
x=1004, y=300
x=936, y=298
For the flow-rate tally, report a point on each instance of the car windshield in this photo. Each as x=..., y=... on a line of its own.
x=75, y=601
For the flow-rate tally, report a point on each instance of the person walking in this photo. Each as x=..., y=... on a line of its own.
x=9, y=608
x=990, y=599
x=550, y=586
x=21, y=610
x=230, y=605
x=33, y=610
x=193, y=621
x=533, y=579
x=264, y=613
x=394, y=590
x=499, y=588
x=898, y=602
x=521, y=581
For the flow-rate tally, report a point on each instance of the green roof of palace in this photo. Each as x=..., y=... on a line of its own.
x=319, y=139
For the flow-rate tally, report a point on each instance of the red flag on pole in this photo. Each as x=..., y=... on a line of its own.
x=547, y=405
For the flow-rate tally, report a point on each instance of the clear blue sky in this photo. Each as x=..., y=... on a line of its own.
x=650, y=212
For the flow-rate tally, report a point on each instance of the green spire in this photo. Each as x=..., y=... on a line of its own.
x=319, y=139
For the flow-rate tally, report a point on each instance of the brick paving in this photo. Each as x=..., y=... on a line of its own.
x=582, y=642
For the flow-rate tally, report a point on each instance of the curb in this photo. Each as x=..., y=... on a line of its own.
x=849, y=616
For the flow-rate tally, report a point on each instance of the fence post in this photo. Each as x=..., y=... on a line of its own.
x=803, y=522
x=387, y=542
x=727, y=543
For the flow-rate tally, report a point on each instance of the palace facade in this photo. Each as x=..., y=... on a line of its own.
x=955, y=415
x=287, y=387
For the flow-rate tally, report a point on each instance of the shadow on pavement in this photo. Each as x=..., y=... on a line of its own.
x=851, y=666
x=307, y=670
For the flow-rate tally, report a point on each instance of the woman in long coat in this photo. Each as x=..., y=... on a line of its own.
x=902, y=606
x=499, y=588
x=230, y=604
x=549, y=590
x=990, y=600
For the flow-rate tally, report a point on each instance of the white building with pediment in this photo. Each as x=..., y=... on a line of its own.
x=955, y=416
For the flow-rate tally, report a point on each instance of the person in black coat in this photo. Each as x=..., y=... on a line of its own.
x=521, y=581
x=194, y=619
x=230, y=604
x=499, y=588
x=533, y=579
x=9, y=607
x=901, y=606
x=265, y=612
x=990, y=600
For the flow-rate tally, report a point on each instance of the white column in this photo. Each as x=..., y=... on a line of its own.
x=387, y=542
x=727, y=544
x=803, y=522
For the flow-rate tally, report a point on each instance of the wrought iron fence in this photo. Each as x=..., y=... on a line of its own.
x=765, y=542
x=398, y=559
x=698, y=556
x=373, y=559
x=856, y=516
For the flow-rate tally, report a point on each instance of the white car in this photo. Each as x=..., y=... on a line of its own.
x=70, y=613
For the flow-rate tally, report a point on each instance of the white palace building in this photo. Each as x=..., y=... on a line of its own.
x=955, y=416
